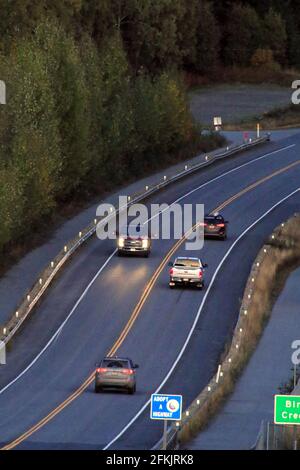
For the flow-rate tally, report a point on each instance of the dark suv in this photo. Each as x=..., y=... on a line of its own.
x=116, y=373
x=134, y=240
x=215, y=226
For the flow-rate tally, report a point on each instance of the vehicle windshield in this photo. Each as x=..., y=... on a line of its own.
x=188, y=263
x=213, y=220
x=115, y=364
x=134, y=231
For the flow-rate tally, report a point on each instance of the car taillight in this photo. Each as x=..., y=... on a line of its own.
x=220, y=225
x=101, y=370
x=203, y=225
x=200, y=273
x=171, y=271
x=127, y=371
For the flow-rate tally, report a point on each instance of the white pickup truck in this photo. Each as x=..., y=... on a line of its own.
x=187, y=271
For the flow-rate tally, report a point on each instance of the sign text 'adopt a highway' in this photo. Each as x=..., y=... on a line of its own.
x=166, y=407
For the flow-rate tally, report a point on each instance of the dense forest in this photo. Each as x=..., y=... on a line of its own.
x=156, y=34
x=95, y=89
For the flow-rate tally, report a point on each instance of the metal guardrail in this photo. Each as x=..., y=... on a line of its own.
x=48, y=274
x=276, y=437
x=172, y=441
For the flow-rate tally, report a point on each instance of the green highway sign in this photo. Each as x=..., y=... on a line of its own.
x=287, y=409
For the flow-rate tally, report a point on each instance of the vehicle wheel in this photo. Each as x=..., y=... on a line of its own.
x=120, y=253
x=146, y=255
x=131, y=391
x=98, y=390
x=224, y=237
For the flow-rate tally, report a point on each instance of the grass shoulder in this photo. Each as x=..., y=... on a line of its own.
x=279, y=118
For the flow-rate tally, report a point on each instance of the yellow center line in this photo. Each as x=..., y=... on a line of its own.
x=137, y=311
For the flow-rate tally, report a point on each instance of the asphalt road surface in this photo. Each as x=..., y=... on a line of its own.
x=99, y=293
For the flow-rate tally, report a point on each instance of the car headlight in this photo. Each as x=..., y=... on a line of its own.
x=145, y=244
x=121, y=242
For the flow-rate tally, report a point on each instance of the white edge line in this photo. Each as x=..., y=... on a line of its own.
x=219, y=177
x=198, y=315
x=111, y=256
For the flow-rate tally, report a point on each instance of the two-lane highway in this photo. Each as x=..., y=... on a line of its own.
x=50, y=402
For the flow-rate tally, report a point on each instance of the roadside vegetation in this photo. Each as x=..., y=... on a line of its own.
x=278, y=118
x=96, y=91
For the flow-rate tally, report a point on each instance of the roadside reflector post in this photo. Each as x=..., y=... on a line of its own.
x=217, y=123
x=245, y=137
x=218, y=374
x=258, y=130
x=2, y=353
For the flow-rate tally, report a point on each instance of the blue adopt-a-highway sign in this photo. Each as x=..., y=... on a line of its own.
x=167, y=407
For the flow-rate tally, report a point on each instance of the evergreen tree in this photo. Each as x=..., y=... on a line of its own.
x=275, y=37
x=243, y=35
x=208, y=38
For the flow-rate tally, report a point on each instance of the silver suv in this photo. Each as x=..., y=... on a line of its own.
x=187, y=271
x=116, y=373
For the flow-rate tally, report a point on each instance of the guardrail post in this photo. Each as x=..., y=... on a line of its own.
x=2, y=353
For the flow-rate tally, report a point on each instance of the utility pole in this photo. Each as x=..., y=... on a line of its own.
x=2, y=92
x=2, y=101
